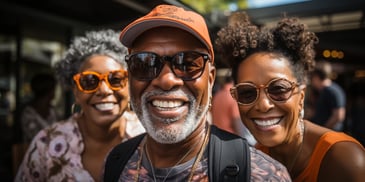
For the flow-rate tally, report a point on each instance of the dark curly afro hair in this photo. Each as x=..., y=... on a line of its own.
x=289, y=39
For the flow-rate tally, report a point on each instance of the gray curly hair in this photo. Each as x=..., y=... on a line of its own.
x=103, y=42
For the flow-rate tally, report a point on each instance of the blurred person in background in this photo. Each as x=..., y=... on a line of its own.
x=357, y=110
x=74, y=150
x=270, y=67
x=330, y=104
x=36, y=114
x=40, y=112
x=5, y=135
x=225, y=113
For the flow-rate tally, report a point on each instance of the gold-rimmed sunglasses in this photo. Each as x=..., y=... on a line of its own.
x=278, y=90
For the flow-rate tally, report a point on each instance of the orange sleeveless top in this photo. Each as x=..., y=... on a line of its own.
x=325, y=142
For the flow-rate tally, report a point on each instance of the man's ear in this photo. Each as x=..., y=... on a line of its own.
x=212, y=74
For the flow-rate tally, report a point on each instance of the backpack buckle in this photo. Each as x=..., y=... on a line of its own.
x=232, y=170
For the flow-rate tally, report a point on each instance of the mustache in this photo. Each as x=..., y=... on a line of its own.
x=159, y=92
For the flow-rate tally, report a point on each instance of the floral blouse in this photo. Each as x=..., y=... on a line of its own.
x=55, y=153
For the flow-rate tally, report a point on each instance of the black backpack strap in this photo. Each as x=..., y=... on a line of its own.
x=118, y=158
x=229, y=157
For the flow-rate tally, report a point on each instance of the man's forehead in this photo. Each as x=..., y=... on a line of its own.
x=167, y=37
x=164, y=32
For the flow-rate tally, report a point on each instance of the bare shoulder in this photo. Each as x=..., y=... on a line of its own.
x=344, y=161
x=265, y=168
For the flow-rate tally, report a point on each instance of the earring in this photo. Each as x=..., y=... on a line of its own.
x=76, y=111
x=210, y=103
x=75, y=108
x=301, y=114
x=301, y=122
x=129, y=108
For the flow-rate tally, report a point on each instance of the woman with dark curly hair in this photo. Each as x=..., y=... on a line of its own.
x=270, y=67
x=74, y=150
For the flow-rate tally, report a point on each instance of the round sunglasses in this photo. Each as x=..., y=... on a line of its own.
x=187, y=65
x=90, y=81
x=278, y=90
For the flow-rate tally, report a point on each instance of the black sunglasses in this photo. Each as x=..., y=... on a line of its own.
x=278, y=90
x=187, y=65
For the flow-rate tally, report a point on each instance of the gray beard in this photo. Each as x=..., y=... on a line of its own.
x=171, y=134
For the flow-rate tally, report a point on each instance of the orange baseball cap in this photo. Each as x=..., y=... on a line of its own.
x=172, y=16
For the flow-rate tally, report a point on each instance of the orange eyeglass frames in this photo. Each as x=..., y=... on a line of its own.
x=90, y=81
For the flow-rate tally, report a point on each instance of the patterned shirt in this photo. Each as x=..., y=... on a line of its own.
x=55, y=152
x=263, y=168
x=32, y=122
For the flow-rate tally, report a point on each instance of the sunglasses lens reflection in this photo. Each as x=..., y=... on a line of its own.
x=89, y=81
x=280, y=90
x=246, y=93
x=116, y=79
x=144, y=66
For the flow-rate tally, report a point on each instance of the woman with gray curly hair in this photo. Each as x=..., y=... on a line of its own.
x=74, y=149
x=270, y=67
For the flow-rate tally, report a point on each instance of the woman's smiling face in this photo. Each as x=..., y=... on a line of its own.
x=271, y=122
x=105, y=105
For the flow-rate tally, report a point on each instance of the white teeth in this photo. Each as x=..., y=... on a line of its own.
x=267, y=123
x=167, y=104
x=105, y=106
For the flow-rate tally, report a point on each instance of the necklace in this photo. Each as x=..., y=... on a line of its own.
x=302, y=132
x=168, y=173
x=197, y=159
x=200, y=154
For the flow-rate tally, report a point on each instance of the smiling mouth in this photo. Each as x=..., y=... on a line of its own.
x=167, y=105
x=104, y=106
x=168, y=111
x=267, y=123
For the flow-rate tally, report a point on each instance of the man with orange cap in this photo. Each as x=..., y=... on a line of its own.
x=171, y=74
